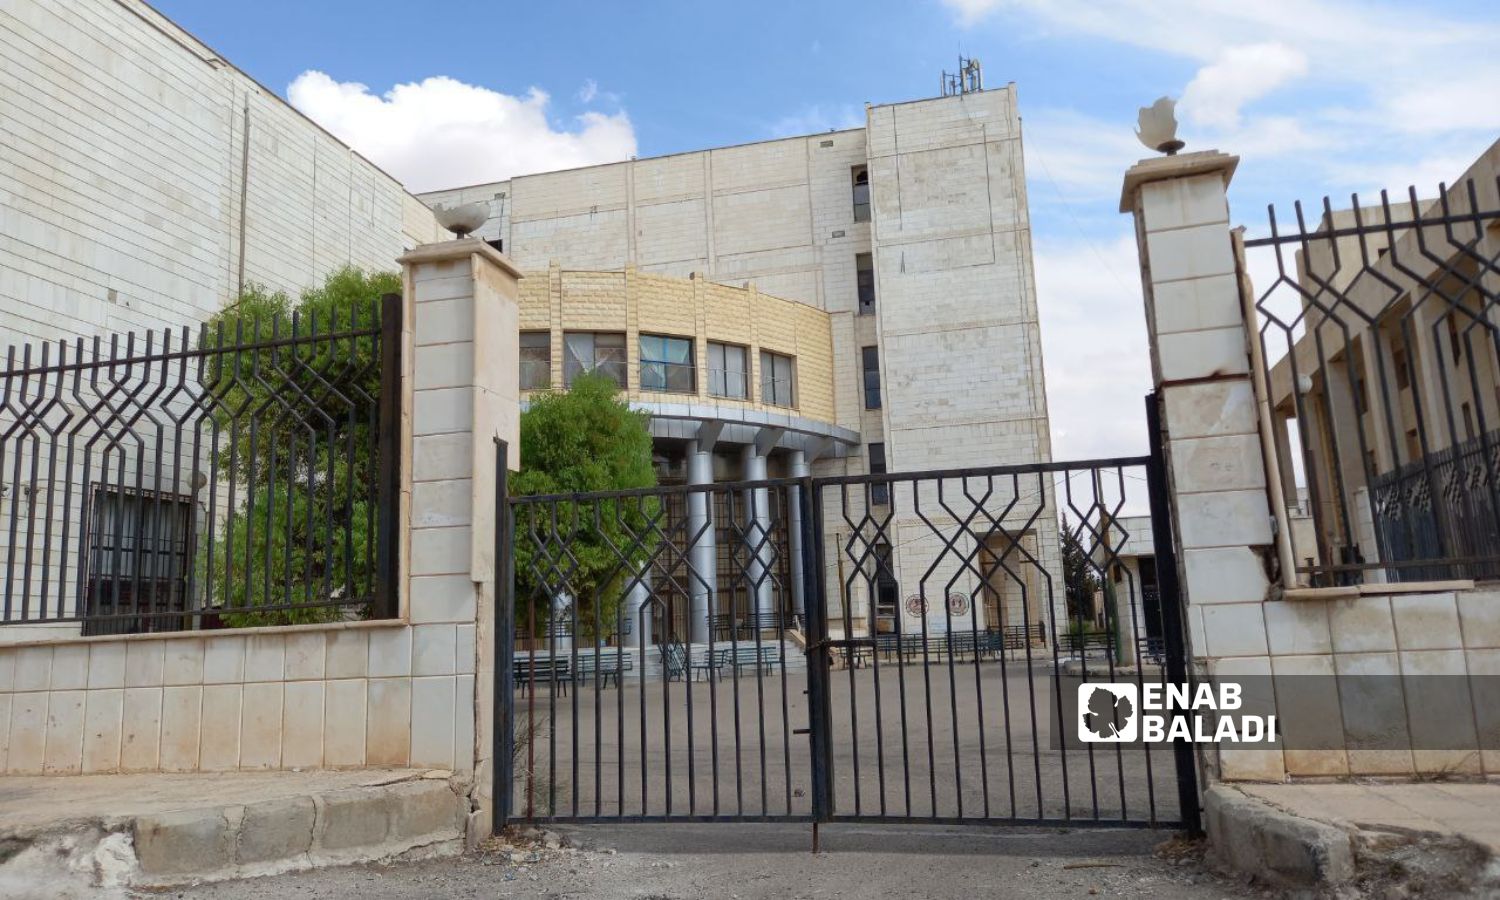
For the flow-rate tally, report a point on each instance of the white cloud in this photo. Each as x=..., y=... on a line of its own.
x=1093, y=344
x=1240, y=75
x=441, y=132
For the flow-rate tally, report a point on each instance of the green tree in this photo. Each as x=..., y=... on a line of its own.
x=296, y=430
x=581, y=440
x=1079, y=578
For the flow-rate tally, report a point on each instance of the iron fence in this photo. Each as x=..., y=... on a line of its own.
x=244, y=474
x=882, y=647
x=1380, y=344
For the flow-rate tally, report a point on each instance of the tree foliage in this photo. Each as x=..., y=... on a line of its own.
x=581, y=440
x=296, y=450
x=1079, y=577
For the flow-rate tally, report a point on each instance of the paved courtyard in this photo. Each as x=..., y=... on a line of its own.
x=907, y=741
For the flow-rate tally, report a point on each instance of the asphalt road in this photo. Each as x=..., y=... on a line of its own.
x=739, y=862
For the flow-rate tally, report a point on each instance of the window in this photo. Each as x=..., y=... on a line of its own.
x=1453, y=338
x=667, y=364
x=728, y=371
x=864, y=277
x=887, y=592
x=594, y=351
x=860, y=176
x=871, y=365
x=536, y=360
x=137, y=559
x=1468, y=423
x=1403, y=375
x=880, y=494
x=777, y=381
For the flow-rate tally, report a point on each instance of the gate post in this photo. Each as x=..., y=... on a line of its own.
x=461, y=319
x=1214, y=468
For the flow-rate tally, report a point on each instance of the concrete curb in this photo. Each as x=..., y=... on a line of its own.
x=412, y=817
x=1253, y=837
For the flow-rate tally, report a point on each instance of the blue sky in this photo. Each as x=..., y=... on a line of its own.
x=1317, y=97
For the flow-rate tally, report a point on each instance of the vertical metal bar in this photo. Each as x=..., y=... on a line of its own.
x=388, y=469
x=814, y=612
x=1173, y=611
x=503, y=738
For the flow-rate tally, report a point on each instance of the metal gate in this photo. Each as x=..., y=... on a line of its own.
x=900, y=647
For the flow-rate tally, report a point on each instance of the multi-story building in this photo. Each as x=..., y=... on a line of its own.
x=1384, y=359
x=859, y=301
x=904, y=335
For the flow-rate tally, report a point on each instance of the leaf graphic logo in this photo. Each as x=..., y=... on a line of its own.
x=1108, y=712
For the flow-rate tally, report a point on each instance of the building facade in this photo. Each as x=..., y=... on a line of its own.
x=910, y=237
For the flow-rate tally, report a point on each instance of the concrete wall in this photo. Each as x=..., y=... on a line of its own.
x=127, y=173
x=634, y=302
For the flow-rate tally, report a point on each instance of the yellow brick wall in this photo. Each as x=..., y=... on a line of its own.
x=642, y=303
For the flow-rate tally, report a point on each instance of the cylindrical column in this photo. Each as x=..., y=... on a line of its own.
x=796, y=468
x=638, y=610
x=758, y=536
x=702, y=556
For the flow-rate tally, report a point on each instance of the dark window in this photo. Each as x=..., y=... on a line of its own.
x=1458, y=347
x=1361, y=400
x=864, y=277
x=594, y=351
x=667, y=364
x=728, y=371
x=887, y=592
x=137, y=559
x=1468, y=423
x=871, y=366
x=777, y=379
x=1403, y=375
x=860, y=176
x=536, y=360
x=880, y=494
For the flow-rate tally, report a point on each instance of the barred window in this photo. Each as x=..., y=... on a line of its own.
x=864, y=277
x=860, y=176
x=137, y=559
x=728, y=371
x=667, y=364
x=777, y=379
x=594, y=351
x=536, y=360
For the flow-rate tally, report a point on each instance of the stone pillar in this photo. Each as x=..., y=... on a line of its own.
x=757, y=535
x=796, y=468
x=703, y=554
x=638, y=608
x=1216, y=473
x=462, y=392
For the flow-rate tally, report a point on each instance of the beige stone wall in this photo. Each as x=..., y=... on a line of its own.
x=635, y=302
x=127, y=172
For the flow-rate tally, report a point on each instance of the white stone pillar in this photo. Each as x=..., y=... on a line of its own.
x=1215, y=470
x=638, y=609
x=757, y=535
x=703, y=553
x=462, y=354
x=796, y=468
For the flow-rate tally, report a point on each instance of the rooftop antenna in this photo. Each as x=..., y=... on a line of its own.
x=968, y=79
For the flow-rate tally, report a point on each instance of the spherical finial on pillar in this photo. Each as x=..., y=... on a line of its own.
x=1157, y=126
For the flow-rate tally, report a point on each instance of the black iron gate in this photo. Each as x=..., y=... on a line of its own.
x=897, y=647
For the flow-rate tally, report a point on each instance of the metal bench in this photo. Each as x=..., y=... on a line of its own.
x=544, y=670
x=605, y=664
x=764, y=656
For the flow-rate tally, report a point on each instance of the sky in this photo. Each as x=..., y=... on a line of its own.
x=1318, y=98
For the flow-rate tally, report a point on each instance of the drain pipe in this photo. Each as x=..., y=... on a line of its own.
x=1276, y=494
